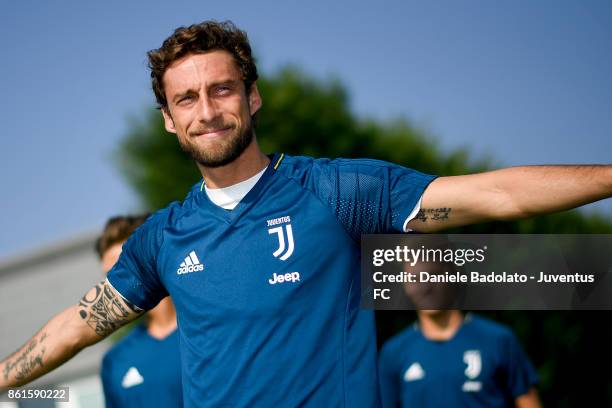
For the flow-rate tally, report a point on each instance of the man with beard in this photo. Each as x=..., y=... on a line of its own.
x=262, y=257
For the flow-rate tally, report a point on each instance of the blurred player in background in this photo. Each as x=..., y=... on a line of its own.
x=262, y=258
x=143, y=369
x=451, y=360
x=448, y=359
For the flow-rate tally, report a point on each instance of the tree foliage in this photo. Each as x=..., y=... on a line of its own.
x=305, y=116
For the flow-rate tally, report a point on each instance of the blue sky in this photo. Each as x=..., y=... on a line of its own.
x=526, y=82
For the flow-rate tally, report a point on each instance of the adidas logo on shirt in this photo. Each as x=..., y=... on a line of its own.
x=414, y=372
x=190, y=264
x=132, y=378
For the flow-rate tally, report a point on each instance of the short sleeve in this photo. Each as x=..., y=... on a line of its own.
x=368, y=196
x=135, y=275
x=521, y=375
x=388, y=378
x=407, y=188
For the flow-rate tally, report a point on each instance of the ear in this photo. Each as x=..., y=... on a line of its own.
x=254, y=99
x=168, y=122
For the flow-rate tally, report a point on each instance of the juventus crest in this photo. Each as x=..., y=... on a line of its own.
x=285, y=241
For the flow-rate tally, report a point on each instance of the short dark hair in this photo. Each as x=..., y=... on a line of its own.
x=118, y=229
x=198, y=39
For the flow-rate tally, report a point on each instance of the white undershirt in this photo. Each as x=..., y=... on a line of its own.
x=229, y=197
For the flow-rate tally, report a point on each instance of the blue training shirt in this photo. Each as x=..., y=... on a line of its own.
x=268, y=294
x=142, y=371
x=482, y=365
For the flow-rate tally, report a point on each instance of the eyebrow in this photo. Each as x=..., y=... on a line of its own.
x=225, y=82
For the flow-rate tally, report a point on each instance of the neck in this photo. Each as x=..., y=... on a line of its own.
x=440, y=324
x=249, y=163
x=162, y=319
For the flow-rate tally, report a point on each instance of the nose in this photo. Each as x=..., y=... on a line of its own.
x=207, y=110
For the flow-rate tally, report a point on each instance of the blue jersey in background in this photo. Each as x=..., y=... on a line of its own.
x=482, y=365
x=268, y=294
x=142, y=371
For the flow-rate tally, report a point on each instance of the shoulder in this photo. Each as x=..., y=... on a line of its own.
x=300, y=167
x=323, y=174
x=160, y=220
x=173, y=212
x=402, y=340
x=170, y=214
x=479, y=325
x=301, y=164
x=365, y=172
x=193, y=191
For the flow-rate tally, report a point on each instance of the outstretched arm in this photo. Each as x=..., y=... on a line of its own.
x=507, y=194
x=99, y=313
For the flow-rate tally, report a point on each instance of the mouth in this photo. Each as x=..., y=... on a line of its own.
x=212, y=133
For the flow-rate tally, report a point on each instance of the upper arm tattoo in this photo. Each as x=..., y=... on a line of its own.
x=104, y=310
x=434, y=214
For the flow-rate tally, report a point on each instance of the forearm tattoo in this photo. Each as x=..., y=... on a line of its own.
x=434, y=214
x=25, y=360
x=104, y=311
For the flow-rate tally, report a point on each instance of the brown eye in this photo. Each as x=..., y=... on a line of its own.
x=185, y=100
x=223, y=90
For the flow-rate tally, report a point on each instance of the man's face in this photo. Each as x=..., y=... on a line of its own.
x=208, y=107
x=110, y=256
x=430, y=297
